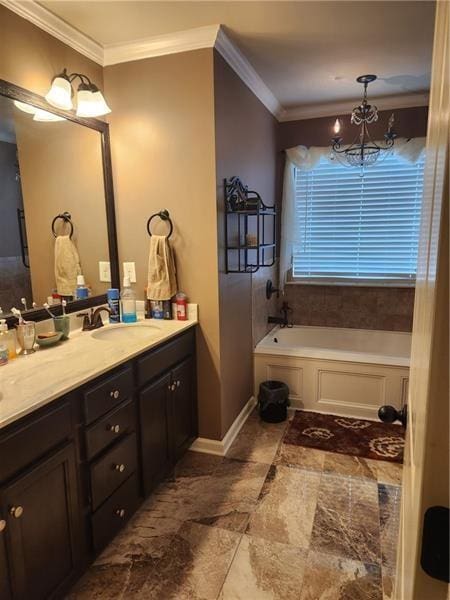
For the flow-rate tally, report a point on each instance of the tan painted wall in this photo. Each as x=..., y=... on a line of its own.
x=245, y=146
x=162, y=136
x=30, y=57
x=61, y=170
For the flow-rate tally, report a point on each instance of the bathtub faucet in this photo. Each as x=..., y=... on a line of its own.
x=283, y=321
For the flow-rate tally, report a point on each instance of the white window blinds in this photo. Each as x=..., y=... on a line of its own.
x=358, y=228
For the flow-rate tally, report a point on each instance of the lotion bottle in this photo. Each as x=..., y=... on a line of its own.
x=8, y=339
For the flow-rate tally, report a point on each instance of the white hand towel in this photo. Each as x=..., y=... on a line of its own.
x=67, y=265
x=162, y=283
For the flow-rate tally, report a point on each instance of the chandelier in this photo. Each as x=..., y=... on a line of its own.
x=363, y=151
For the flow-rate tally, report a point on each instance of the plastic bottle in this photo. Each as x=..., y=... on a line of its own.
x=128, y=302
x=113, y=303
x=181, y=302
x=3, y=354
x=82, y=291
x=8, y=339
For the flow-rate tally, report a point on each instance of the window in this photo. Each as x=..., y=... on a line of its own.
x=358, y=229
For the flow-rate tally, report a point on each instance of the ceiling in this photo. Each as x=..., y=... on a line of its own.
x=305, y=52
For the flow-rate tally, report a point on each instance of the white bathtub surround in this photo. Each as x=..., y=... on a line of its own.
x=221, y=447
x=29, y=382
x=349, y=372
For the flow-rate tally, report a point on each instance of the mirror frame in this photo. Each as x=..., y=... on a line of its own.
x=15, y=92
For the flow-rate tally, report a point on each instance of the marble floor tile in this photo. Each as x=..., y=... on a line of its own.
x=298, y=456
x=285, y=511
x=388, y=580
x=103, y=582
x=197, y=464
x=346, y=521
x=334, y=578
x=387, y=472
x=196, y=565
x=263, y=570
x=344, y=464
x=257, y=441
x=389, y=497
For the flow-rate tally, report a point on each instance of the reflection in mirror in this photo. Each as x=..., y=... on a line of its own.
x=48, y=169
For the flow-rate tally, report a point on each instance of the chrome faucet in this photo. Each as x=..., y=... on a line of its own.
x=93, y=319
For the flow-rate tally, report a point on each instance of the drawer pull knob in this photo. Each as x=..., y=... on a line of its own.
x=2, y=525
x=114, y=428
x=120, y=512
x=16, y=511
x=114, y=394
x=120, y=468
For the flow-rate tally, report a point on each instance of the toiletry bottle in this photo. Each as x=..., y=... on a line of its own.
x=113, y=303
x=3, y=354
x=128, y=302
x=82, y=291
x=8, y=339
x=181, y=300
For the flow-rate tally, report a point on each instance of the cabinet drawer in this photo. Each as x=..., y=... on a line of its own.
x=110, y=428
x=110, y=470
x=28, y=442
x=99, y=399
x=110, y=517
x=158, y=361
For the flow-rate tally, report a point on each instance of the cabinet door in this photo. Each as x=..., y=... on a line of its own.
x=183, y=414
x=156, y=456
x=43, y=527
x=5, y=590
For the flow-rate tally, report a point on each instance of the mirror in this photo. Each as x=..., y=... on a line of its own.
x=56, y=206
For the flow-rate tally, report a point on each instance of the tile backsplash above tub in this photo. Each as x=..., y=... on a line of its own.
x=383, y=308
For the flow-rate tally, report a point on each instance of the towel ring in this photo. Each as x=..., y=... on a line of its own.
x=164, y=216
x=66, y=217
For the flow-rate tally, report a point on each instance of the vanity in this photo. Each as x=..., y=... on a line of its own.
x=90, y=427
x=73, y=471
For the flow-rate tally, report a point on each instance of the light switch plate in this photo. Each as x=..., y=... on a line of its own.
x=129, y=269
x=105, y=270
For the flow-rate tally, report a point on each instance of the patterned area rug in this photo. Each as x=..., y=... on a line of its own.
x=367, y=439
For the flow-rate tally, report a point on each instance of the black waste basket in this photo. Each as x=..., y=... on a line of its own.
x=273, y=400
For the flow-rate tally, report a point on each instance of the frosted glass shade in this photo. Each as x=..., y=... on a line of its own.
x=46, y=117
x=26, y=108
x=91, y=104
x=60, y=94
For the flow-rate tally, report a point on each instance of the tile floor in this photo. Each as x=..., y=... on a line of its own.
x=269, y=521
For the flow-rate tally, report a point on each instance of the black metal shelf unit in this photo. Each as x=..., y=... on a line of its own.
x=250, y=229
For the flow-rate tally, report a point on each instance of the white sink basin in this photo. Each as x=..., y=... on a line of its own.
x=130, y=333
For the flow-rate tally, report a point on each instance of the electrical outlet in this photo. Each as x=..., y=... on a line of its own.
x=129, y=269
x=105, y=271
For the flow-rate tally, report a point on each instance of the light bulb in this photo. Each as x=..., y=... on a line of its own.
x=337, y=127
x=26, y=108
x=90, y=102
x=60, y=93
x=46, y=117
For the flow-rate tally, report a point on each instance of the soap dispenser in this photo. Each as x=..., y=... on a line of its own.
x=8, y=339
x=128, y=302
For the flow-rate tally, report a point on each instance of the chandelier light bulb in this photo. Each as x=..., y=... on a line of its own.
x=337, y=127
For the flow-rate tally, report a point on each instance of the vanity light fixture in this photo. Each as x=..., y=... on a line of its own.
x=363, y=151
x=90, y=100
x=38, y=113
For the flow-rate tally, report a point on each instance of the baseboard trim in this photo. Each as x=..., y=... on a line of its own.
x=220, y=447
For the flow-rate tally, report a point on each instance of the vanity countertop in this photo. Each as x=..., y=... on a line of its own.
x=29, y=382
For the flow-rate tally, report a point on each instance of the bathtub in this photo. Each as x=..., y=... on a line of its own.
x=347, y=372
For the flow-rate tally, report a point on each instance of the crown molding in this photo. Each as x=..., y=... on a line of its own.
x=316, y=111
x=55, y=26
x=242, y=67
x=160, y=45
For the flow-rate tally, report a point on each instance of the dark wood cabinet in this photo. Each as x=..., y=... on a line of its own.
x=182, y=409
x=5, y=589
x=43, y=526
x=73, y=472
x=155, y=447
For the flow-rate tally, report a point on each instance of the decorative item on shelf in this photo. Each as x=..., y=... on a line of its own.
x=363, y=151
x=247, y=230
